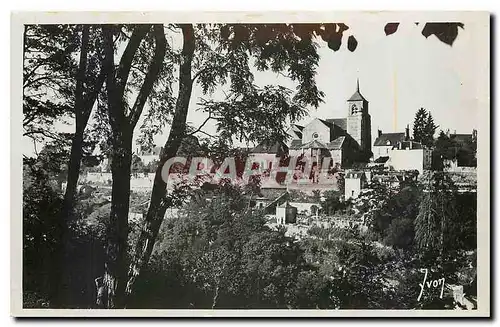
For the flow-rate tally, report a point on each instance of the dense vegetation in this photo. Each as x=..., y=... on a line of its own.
x=218, y=253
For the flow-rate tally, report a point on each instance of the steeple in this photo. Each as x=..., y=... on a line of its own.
x=357, y=95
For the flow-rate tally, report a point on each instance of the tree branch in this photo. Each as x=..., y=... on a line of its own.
x=128, y=56
x=92, y=96
x=29, y=74
x=152, y=74
x=115, y=114
x=33, y=81
x=43, y=132
x=203, y=124
x=80, y=109
x=199, y=72
x=206, y=134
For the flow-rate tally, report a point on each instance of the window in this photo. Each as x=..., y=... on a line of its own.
x=315, y=135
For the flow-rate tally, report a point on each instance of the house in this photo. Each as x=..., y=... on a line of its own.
x=355, y=181
x=385, y=142
x=286, y=214
x=149, y=155
x=410, y=155
x=399, y=152
x=465, y=152
x=266, y=153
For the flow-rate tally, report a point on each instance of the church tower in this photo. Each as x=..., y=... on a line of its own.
x=359, y=122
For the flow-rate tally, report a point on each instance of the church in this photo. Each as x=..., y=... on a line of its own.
x=345, y=140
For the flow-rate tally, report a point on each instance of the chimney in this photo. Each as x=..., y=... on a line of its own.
x=474, y=135
x=407, y=133
x=379, y=133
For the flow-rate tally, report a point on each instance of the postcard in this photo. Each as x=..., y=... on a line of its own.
x=251, y=164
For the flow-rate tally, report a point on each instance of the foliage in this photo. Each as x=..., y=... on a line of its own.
x=41, y=204
x=332, y=202
x=445, y=32
x=151, y=166
x=447, y=148
x=48, y=69
x=446, y=220
x=138, y=166
x=225, y=257
x=424, y=127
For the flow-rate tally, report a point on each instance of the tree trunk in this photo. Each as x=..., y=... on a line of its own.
x=60, y=275
x=115, y=267
x=115, y=270
x=159, y=201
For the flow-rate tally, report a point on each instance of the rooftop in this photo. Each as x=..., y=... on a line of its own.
x=389, y=139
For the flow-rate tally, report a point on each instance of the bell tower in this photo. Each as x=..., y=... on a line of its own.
x=359, y=122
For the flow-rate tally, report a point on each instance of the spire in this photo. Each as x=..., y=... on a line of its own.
x=357, y=95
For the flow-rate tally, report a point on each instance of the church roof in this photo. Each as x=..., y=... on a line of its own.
x=297, y=134
x=340, y=122
x=357, y=97
x=327, y=122
x=389, y=139
x=296, y=130
x=314, y=144
x=296, y=144
x=336, y=144
x=277, y=147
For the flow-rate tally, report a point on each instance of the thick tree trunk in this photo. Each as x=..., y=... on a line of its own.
x=117, y=230
x=114, y=281
x=159, y=201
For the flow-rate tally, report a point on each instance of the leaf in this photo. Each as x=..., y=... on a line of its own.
x=331, y=35
x=352, y=43
x=445, y=32
x=334, y=44
x=391, y=28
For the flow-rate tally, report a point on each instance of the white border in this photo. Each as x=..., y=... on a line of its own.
x=18, y=19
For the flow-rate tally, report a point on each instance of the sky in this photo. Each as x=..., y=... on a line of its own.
x=398, y=74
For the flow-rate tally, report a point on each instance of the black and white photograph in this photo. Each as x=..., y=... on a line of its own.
x=251, y=164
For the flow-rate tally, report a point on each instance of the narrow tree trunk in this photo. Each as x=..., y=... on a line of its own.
x=159, y=201
x=73, y=172
x=61, y=264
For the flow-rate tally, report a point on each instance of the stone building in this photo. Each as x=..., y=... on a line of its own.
x=410, y=155
x=355, y=181
x=286, y=214
x=385, y=142
x=343, y=141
